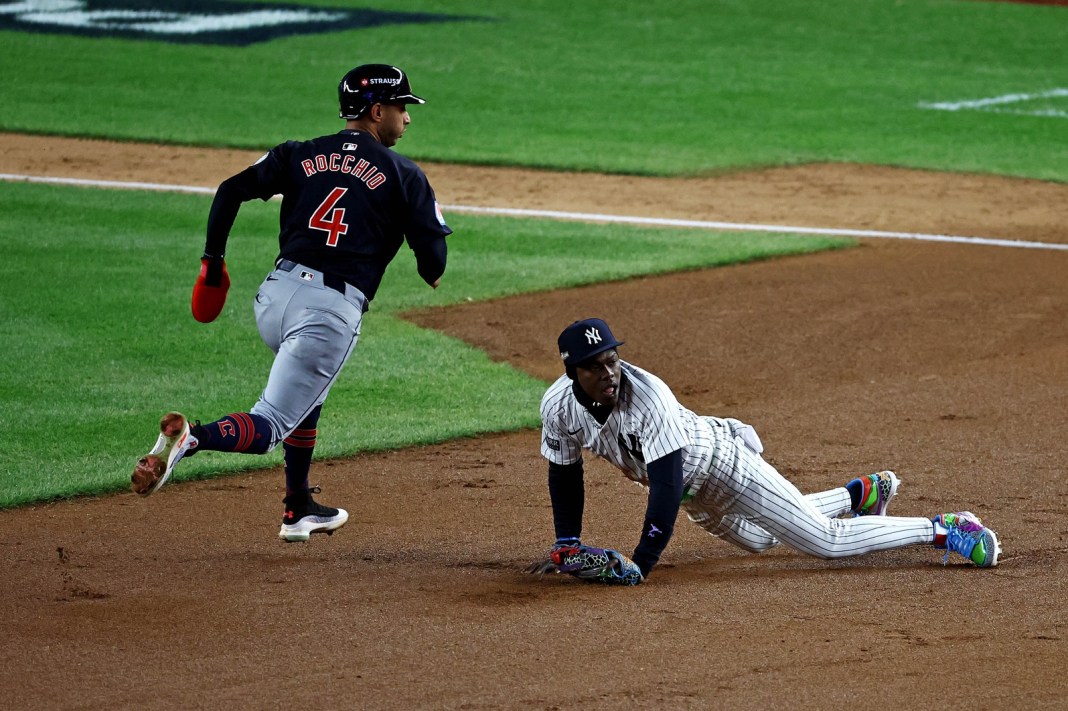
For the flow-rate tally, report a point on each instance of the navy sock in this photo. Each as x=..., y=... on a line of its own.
x=239, y=432
x=856, y=493
x=298, y=448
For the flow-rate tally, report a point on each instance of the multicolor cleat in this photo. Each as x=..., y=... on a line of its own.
x=967, y=535
x=879, y=489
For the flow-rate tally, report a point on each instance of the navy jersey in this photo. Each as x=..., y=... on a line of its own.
x=348, y=203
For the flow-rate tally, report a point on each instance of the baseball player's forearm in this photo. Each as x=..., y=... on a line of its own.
x=430, y=261
x=228, y=198
x=568, y=495
x=665, y=493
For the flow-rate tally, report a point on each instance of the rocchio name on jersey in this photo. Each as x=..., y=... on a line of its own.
x=337, y=163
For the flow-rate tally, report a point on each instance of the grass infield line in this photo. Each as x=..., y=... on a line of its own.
x=595, y=217
x=998, y=100
x=750, y=227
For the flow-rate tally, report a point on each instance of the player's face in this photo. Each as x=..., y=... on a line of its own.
x=395, y=120
x=599, y=377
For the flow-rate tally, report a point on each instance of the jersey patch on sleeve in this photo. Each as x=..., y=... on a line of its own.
x=437, y=213
x=553, y=444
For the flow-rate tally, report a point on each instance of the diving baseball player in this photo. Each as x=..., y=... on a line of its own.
x=708, y=466
x=348, y=204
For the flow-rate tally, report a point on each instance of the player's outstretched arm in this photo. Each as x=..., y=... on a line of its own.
x=430, y=258
x=665, y=495
x=567, y=493
x=213, y=282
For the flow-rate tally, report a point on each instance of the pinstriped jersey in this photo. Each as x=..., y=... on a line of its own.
x=647, y=423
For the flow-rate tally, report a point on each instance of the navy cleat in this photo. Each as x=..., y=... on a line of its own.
x=304, y=516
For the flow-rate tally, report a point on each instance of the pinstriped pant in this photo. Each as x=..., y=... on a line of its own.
x=744, y=500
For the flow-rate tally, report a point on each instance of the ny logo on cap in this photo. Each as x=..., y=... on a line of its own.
x=593, y=336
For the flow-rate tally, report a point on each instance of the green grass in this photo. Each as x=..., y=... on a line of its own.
x=658, y=87
x=96, y=334
x=98, y=340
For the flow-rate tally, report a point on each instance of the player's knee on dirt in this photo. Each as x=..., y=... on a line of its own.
x=742, y=533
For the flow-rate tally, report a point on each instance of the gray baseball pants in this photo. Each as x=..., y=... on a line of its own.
x=312, y=330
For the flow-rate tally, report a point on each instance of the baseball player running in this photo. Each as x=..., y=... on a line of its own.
x=348, y=203
x=708, y=466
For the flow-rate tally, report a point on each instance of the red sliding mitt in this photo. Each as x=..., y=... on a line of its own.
x=209, y=293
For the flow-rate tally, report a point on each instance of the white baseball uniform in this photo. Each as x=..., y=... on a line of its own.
x=730, y=490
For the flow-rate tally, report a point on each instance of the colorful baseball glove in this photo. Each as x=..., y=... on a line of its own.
x=594, y=565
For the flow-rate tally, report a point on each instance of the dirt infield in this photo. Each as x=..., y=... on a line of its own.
x=946, y=362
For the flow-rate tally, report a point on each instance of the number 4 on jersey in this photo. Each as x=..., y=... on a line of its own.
x=330, y=219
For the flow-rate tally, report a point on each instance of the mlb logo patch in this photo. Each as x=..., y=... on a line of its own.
x=307, y=276
x=348, y=147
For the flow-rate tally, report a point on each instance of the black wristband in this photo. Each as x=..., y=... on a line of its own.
x=215, y=272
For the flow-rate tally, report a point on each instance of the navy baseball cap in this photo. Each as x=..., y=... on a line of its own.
x=584, y=339
x=370, y=84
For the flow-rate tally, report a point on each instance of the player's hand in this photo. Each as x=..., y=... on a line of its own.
x=209, y=292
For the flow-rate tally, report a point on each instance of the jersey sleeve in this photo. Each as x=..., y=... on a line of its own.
x=557, y=445
x=424, y=222
x=270, y=171
x=263, y=179
x=424, y=226
x=663, y=424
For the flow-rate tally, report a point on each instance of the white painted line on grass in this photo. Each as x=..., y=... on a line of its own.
x=594, y=217
x=122, y=185
x=748, y=227
x=982, y=104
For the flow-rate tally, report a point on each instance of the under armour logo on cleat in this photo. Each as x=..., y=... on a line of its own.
x=593, y=336
x=289, y=515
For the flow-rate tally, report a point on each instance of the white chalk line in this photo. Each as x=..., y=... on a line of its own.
x=987, y=103
x=594, y=217
x=122, y=185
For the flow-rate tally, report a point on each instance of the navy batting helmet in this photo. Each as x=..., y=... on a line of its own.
x=370, y=84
